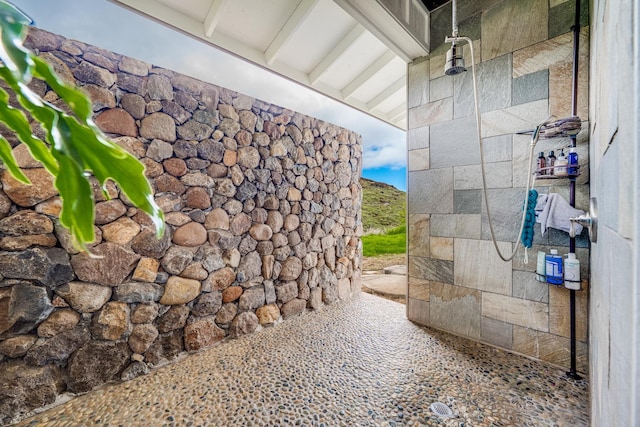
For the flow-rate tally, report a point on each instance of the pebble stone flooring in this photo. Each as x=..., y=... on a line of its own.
x=356, y=363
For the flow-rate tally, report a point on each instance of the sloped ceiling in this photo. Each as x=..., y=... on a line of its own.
x=353, y=51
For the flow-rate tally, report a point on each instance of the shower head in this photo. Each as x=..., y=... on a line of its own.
x=455, y=61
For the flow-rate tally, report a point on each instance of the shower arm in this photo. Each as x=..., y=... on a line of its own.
x=453, y=39
x=454, y=20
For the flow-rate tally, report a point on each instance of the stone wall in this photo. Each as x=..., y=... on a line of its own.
x=457, y=283
x=263, y=220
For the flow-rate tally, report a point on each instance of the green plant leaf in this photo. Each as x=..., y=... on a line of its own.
x=17, y=121
x=77, y=212
x=7, y=157
x=109, y=161
x=77, y=148
x=74, y=98
x=15, y=57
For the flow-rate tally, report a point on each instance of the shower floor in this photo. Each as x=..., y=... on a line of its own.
x=359, y=362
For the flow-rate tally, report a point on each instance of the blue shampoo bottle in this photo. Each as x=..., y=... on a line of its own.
x=554, y=267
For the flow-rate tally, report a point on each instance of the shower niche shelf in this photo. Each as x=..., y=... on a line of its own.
x=543, y=173
x=568, y=134
x=539, y=175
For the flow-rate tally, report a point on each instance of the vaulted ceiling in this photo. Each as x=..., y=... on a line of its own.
x=353, y=51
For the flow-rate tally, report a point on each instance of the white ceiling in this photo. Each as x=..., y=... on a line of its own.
x=351, y=50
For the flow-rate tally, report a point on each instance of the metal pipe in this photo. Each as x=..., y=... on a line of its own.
x=573, y=373
x=576, y=57
x=454, y=18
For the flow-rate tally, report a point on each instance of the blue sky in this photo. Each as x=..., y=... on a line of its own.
x=396, y=177
x=109, y=26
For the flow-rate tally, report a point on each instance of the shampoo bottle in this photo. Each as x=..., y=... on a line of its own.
x=561, y=165
x=572, y=272
x=572, y=167
x=542, y=163
x=554, y=267
x=551, y=161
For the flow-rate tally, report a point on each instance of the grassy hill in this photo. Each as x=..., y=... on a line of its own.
x=383, y=206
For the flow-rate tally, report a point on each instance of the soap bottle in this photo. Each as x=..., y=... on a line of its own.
x=542, y=163
x=572, y=272
x=551, y=161
x=554, y=267
x=572, y=162
x=541, y=267
x=561, y=164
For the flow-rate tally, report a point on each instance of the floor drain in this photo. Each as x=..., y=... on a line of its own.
x=441, y=409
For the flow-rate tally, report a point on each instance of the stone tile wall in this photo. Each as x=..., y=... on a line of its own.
x=615, y=142
x=263, y=220
x=456, y=280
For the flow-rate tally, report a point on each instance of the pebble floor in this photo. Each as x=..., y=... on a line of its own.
x=356, y=363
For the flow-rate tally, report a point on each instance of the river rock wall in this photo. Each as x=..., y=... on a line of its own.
x=263, y=218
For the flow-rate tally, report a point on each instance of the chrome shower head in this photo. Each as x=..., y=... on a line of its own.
x=455, y=61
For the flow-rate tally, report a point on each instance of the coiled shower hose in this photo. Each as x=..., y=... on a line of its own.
x=530, y=181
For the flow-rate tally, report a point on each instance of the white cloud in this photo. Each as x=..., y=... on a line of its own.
x=388, y=156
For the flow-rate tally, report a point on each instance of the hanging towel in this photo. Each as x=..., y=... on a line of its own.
x=554, y=211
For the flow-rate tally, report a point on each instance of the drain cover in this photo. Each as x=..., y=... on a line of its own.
x=441, y=409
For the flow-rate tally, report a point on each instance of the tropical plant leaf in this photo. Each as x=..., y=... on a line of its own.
x=76, y=147
x=74, y=98
x=6, y=155
x=17, y=121
x=77, y=212
x=16, y=58
x=118, y=171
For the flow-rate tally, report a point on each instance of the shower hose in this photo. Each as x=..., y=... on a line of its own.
x=530, y=177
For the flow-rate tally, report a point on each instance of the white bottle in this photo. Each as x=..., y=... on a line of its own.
x=572, y=272
x=541, y=267
x=561, y=164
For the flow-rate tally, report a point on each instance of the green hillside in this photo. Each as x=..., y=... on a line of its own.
x=383, y=206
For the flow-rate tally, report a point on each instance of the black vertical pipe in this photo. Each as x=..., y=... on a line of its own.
x=572, y=189
x=576, y=57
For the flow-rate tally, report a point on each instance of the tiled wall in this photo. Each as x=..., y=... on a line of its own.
x=615, y=134
x=457, y=283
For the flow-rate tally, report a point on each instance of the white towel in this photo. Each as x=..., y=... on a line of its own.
x=552, y=210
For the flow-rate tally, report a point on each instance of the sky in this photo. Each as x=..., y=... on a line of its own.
x=106, y=25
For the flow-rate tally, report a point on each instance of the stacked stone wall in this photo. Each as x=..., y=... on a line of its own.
x=262, y=208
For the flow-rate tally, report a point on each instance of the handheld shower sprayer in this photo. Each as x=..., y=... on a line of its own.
x=455, y=65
